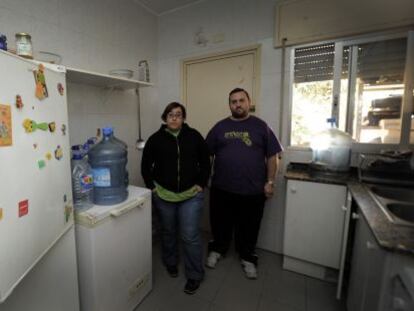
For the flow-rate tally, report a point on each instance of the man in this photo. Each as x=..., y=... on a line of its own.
x=245, y=164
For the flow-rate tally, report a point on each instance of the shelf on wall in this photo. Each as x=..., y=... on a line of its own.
x=102, y=80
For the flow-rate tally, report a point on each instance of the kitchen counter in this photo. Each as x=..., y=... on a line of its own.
x=388, y=235
x=304, y=172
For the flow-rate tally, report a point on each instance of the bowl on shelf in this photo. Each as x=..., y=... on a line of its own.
x=48, y=57
x=122, y=73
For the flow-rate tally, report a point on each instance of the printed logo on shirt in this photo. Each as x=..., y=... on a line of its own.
x=243, y=136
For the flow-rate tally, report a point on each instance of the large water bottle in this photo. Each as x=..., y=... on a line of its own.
x=82, y=181
x=108, y=160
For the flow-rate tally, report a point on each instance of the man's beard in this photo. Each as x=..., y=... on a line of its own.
x=239, y=115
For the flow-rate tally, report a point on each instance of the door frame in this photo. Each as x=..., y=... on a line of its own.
x=254, y=50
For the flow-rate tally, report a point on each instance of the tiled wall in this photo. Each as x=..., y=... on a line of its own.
x=228, y=25
x=96, y=35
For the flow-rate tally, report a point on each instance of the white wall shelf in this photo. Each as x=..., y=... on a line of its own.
x=80, y=76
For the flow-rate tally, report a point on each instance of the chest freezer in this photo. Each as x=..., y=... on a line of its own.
x=114, y=250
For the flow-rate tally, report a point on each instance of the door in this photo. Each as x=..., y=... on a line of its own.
x=314, y=222
x=207, y=82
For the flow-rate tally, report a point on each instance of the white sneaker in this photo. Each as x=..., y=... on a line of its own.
x=249, y=269
x=212, y=259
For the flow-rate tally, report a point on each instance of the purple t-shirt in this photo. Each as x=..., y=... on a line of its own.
x=240, y=149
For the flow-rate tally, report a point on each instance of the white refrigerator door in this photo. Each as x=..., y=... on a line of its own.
x=35, y=186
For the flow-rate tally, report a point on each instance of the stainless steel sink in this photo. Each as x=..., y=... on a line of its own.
x=402, y=211
x=396, y=203
x=399, y=194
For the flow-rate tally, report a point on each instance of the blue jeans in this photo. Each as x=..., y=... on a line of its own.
x=183, y=217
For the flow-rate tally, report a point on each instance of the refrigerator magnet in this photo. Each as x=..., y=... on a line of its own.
x=52, y=127
x=31, y=126
x=41, y=164
x=58, y=153
x=65, y=198
x=48, y=156
x=6, y=138
x=1, y=213
x=23, y=208
x=63, y=129
x=68, y=212
x=60, y=88
x=41, y=88
x=19, y=102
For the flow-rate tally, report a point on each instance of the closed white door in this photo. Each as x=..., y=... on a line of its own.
x=314, y=222
x=207, y=82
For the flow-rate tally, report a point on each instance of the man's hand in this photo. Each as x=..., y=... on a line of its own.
x=268, y=190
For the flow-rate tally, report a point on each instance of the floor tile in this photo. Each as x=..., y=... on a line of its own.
x=321, y=296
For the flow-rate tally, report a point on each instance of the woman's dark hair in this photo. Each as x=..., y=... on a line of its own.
x=172, y=106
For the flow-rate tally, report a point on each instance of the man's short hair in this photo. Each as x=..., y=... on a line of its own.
x=172, y=106
x=237, y=90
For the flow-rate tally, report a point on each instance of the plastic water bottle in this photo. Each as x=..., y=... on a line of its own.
x=82, y=180
x=108, y=160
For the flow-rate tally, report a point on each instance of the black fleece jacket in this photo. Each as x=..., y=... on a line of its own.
x=176, y=163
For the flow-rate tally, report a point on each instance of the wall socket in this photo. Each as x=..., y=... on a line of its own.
x=138, y=284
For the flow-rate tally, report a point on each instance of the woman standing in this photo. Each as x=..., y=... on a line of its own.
x=176, y=167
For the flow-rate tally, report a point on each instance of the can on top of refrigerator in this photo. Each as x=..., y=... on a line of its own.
x=24, y=45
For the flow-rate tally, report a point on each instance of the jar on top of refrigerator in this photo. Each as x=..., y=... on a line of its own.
x=24, y=45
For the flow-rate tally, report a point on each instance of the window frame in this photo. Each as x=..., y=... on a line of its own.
x=408, y=101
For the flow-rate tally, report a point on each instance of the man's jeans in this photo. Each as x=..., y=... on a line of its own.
x=183, y=217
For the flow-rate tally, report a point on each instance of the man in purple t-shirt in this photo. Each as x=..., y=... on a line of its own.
x=245, y=164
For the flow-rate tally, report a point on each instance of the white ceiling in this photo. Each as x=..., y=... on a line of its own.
x=159, y=7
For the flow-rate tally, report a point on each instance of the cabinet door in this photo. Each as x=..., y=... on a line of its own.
x=314, y=222
x=359, y=267
x=367, y=270
x=377, y=259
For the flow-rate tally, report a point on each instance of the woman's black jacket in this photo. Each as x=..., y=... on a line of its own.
x=176, y=163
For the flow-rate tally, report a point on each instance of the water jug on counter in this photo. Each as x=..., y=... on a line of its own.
x=108, y=160
x=331, y=149
x=82, y=181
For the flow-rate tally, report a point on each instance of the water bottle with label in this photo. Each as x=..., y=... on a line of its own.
x=82, y=180
x=108, y=160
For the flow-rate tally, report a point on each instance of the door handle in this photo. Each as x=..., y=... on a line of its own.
x=125, y=209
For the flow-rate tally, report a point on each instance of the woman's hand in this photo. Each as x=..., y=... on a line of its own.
x=198, y=188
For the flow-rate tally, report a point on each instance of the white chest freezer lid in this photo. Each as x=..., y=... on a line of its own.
x=99, y=213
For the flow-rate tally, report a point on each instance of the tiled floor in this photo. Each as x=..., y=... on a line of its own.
x=226, y=288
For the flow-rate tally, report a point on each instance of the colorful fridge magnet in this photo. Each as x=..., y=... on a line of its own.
x=41, y=88
x=58, y=153
x=60, y=88
x=63, y=129
x=35, y=146
x=23, y=208
x=31, y=126
x=6, y=138
x=19, y=102
x=49, y=156
x=1, y=213
x=41, y=164
x=52, y=127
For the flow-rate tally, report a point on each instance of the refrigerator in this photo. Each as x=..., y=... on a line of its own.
x=37, y=243
x=114, y=253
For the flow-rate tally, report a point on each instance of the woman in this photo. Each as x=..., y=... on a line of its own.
x=176, y=167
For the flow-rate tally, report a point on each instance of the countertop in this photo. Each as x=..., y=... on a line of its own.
x=388, y=235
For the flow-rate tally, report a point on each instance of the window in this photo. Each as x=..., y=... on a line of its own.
x=360, y=83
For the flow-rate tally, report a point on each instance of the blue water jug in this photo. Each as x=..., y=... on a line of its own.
x=108, y=160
